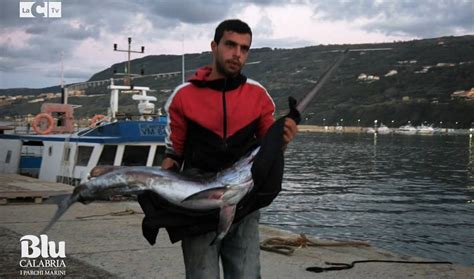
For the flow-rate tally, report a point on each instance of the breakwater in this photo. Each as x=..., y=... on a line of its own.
x=353, y=129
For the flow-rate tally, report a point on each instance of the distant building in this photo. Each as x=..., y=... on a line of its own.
x=36, y=100
x=49, y=95
x=424, y=70
x=391, y=73
x=445, y=65
x=461, y=94
x=407, y=62
x=370, y=78
x=76, y=92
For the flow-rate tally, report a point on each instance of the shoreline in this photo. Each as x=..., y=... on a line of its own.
x=308, y=129
x=370, y=130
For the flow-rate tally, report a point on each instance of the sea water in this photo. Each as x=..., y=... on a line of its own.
x=412, y=195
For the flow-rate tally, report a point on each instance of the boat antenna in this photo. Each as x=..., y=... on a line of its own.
x=182, y=62
x=63, y=90
x=129, y=51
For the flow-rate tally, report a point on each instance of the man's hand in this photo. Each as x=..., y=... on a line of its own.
x=169, y=163
x=101, y=170
x=290, y=130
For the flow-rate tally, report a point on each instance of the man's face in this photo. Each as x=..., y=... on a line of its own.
x=231, y=53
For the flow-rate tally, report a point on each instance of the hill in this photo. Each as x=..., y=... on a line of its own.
x=405, y=81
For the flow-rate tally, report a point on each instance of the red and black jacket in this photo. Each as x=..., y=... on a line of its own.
x=212, y=123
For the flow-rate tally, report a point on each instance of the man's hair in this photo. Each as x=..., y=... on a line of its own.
x=235, y=25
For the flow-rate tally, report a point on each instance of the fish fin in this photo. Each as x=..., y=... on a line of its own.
x=226, y=217
x=212, y=194
x=63, y=202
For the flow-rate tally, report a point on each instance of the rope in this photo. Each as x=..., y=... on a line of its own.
x=288, y=245
x=116, y=213
x=341, y=266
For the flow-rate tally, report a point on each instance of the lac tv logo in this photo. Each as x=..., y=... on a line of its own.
x=40, y=9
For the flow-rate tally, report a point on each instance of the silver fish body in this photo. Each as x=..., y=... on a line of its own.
x=194, y=193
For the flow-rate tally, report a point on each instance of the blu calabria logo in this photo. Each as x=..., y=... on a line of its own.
x=42, y=257
x=40, y=9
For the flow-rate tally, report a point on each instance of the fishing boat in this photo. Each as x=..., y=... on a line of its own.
x=425, y=130
x=56, y=152
x=406, y=130
x=371, y=131
x=383, y=129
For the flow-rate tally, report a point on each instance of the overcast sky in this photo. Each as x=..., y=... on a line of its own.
x=30, y=48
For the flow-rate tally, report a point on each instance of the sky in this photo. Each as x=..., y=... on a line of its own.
x=31, y=47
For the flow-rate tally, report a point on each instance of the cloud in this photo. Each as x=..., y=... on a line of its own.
x=195, y=12
x=88, y=28
x=428, y=18
x=264, y=27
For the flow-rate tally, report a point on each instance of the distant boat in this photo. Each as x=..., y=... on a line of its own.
x=371, y=131
x=383, y=129
x=425, y=130
x=406, y=130
x=440, y=131
x=458, y=131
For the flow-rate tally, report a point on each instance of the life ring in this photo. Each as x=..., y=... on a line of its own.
x=40, y=118
x=95, y=119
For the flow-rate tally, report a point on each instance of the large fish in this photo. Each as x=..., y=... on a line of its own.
x=222, y=190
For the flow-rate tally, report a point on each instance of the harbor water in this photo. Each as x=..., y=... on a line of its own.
x=413, y=195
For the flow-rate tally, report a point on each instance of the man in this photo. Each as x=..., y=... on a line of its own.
x=214, y=119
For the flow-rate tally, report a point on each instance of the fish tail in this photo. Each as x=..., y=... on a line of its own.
x=63, y=202
x=226, y=217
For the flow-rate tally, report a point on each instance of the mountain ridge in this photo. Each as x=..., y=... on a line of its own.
x=428, y=71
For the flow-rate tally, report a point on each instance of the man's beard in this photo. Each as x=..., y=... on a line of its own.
x=220, y=67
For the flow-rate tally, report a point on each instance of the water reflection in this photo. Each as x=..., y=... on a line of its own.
x=404, y=193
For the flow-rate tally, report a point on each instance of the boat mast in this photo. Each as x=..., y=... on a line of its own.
x=63, y=90
x=127, y=81
x=182, y=64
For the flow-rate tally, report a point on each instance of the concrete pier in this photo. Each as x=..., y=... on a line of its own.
x=104, y=239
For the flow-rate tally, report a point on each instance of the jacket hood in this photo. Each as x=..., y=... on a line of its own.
x=200, y=79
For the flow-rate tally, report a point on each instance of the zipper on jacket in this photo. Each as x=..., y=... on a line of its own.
x=224, y=107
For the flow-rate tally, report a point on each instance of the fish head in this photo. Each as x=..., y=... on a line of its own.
x=104, y=186
x=119, y=182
